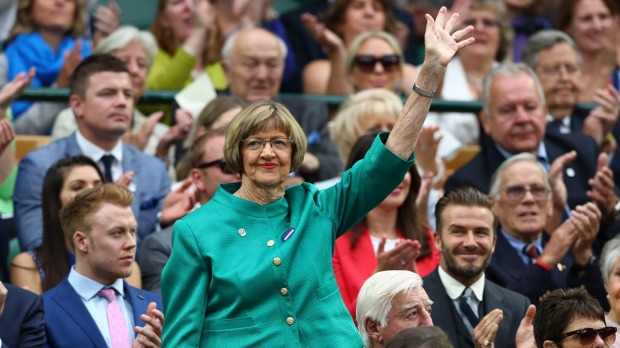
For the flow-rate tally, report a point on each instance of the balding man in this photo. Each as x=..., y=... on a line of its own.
x=253, y=60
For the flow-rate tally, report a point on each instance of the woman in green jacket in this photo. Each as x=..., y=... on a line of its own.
x=252, y=267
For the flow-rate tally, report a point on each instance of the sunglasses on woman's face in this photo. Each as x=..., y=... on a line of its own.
x=367, y=63
x=588, y=335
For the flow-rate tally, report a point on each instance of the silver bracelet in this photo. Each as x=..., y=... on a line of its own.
x=423, y=91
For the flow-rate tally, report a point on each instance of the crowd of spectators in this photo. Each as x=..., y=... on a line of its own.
x=249, y=213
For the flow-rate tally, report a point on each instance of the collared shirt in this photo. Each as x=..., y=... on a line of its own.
x=95, y=153
x=518, y=245
x=455, y=289
x=96, y=305
x=563, y=125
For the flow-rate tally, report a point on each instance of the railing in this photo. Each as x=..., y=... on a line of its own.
x=333, y=101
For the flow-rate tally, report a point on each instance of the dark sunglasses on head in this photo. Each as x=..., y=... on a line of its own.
x=588, y=335
x=486, y=22
x=367, y=63
x=219, y=162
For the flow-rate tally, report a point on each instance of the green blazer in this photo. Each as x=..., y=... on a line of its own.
x=248, y=275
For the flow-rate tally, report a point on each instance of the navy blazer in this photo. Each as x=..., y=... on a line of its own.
x=69, y=324
x=151, y=184
x=508, y=270
x=21, y=323
x=445, y=315
x=477, y=173
x=577, y=118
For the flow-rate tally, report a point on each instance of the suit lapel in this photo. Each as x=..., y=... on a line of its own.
x=139, y=304
x=131, y=163
x=506, y=255
x=446, y=316
x=493, y=298
x=70, y=302
x=72, y=148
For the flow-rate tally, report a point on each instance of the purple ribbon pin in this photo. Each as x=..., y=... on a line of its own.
x=287, y=234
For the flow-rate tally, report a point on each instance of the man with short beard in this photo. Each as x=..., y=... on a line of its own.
x=458, y=288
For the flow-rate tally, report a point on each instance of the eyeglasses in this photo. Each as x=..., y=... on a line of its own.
x=258, y=144
x=588, y=335
x=517, y=192
x=556, y=71
x=367, y=63
x=220, y=162
x=486, y=22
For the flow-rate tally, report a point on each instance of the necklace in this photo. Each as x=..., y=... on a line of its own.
x=476, y=81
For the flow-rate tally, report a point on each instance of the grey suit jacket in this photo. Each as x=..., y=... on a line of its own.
x=154, y=254
x=445, y=315
x=151, y=185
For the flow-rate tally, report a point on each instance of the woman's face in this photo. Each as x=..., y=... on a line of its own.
x=78, y=179
x=377, y=122
x=55, y=15
x=613, y=289
x=398, y=195
x=591, y=26
x=136, y=58
x=375, y=66
x=177, y=16
x=269, y=165
x=486, y=32
x=361, y=16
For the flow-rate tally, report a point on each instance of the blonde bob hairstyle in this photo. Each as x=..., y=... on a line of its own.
x=354, y=46
x=25, y=24
x=263, y=116
x=375, y=103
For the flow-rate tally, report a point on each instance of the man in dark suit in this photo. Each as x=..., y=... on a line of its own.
x=466, y=239
x=514, y=117
x=206, y=158
x=253, y=60
x=93, y=306
x=21, y=318
x=525, y=260
x=101, y=98
x=553, y=55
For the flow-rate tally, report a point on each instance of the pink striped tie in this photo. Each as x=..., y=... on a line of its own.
x=116, y=320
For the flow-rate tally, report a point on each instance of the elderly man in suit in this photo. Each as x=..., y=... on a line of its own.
x=388, y=302
x=553, y=55
x=526, y=259
x=93, y=306
x=206, y=158
x=514, y=117
x=253, y=60
x=21, y=318
x=464, y=300
x=101, y=98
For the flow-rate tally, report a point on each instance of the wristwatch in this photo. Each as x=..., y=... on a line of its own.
x=616, y=212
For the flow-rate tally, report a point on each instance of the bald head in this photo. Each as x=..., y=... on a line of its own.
x=254, y=61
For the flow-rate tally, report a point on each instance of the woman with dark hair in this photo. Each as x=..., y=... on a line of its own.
x=392, y=236
x=44, y=42
x=45, y=267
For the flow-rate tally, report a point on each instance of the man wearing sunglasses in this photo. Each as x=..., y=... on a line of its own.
x=527, y=260
x=206, y=157
x=572, y=318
